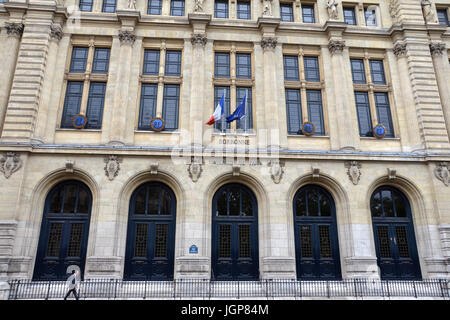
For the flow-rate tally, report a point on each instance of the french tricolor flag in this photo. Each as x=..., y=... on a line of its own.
x=218, y=113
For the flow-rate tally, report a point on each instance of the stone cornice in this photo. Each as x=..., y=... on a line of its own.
x=167, y=152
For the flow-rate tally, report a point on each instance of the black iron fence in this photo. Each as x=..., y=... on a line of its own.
x=207, y=289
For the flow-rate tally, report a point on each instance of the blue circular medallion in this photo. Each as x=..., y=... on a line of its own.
x=308, y=128
x=379, y=131
x=157, y=124
x=79, y=121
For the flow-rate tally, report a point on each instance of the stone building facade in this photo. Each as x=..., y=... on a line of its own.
x=402, y=50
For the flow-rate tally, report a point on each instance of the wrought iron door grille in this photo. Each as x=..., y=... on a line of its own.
x=207, y=289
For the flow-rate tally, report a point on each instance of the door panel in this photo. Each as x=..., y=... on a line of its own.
x=151, y=234
x=234, y=236
x=316, y=242
x=64, y=231
x=395, y=242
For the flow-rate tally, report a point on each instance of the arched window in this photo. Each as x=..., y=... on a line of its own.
x=235, y=234
x=316, y=241
x=393, y=228
x=151, y=233
x=64, y=231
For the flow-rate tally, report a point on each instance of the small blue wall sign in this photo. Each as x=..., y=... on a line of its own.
x=379, y=131
x=157, y=124
x=193, y=249
x=79, y=121
x=308, y=128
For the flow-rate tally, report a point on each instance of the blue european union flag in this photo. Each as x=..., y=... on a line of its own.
x=239, y=113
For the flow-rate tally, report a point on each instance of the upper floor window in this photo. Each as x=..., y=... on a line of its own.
x=173, y=63
x=86, y=5
x=243, y=10
x=233, y=82
x=222, y=65
x=371, y=96
x=109, y=6
x=308, y=13
x=154, y=7
x=243, y=65
x=286, y=12
x=303, y=93
x=221, y=8
x=151, y=62
x=370, y=14
x=158, y=63
x=177, y=7
x=443, y=17
x=83, y=63
x=349, y=15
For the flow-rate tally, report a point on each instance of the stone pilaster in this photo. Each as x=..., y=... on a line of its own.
x=412, y=30
x=127, y=38
x=271, y=52
x=14, y=32
x=347, y=139
x=47, y=88
x=7, y=235
x=413, y=138
x=197, y=102
x=28, y=77
x=442, y=70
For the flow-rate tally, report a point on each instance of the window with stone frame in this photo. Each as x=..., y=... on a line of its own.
x=308, y=12
x=154, y=7
x=177, y=7
x=349, y=12
x=243, y=10
x=109, y=6
x=221, y=9
x=370, y=15
x=443, y=14
x=161, y=82
x=86, y=79
x=371, y=91
x=286, y=11
x=86, y=5
x=234, y=77
x=304, y=89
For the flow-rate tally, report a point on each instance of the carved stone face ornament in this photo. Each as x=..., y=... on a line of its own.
x=10, y=164
x=195, y=171
x=112, y=167
x=353, y=172
x=442, y=173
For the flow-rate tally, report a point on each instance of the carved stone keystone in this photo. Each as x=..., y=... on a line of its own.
x=154, y=168
x=442, y=172
x=112, y=166
x=353, y=171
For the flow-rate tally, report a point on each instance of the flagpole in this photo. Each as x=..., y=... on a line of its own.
x=223, y=114
x=245, y=110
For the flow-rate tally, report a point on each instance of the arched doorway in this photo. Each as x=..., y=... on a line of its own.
x=150, y=248
x=64, y=231
x=235, y=234
x=393, y=230
x=316, y=240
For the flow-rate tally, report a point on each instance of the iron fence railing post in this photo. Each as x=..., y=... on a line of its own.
x=387, y=287
x=145, y=289
x=17, y=290
x=48, y=290
x=238, y=289
x=354, y=286
x=301, y=289
x=115, y=289
x=414, y=287
x=328, y=289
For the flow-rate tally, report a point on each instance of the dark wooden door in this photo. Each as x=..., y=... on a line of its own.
x=316, y=240
x=395, y=241
x=64, y=231
x=151, y=233
x=235, y=234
